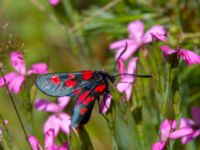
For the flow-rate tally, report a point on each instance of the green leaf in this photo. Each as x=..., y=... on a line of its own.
x=121, y=123
x=81, y=140
x=86, y=143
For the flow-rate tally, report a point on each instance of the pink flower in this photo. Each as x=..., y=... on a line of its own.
x=125, y=84
x=167, y=126
x=105, y=103
x=54, y=2
x=5, y=123
x=137, y=38
x=160, y=145
x=16, y=79
x=49, y=142
x=58, y=120
x=188, y=56
x=188, y=129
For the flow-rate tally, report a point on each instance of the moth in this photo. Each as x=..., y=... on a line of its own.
x=87, y=86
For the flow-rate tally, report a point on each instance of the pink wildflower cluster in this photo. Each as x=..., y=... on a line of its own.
x=16, y=78
x=49, y=142
x=137, y=39
x=188, y=56
x=188, y=130
x=59, y=120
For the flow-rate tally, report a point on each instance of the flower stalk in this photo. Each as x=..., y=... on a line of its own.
x=14, y=105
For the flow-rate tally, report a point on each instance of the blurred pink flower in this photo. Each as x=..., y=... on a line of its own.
x=58, y=120
x=137, y=38
x=125, y=84
x=5, y=123
x=160, y=145
x=167, y=126
x=49, y=142
x=16, y=79
x=188, y=129
x=188, y=56
x=54, y=2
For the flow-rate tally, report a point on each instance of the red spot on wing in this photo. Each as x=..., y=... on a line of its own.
x=100, y=88
x=71, y=76
x=55, y=79
x=76, y=92
x=70, y=83
x=88, y=100
x=82, y=97
x=87, y=75
x=83, y=110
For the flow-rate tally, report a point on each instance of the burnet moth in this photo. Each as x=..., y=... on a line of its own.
x=87, y=86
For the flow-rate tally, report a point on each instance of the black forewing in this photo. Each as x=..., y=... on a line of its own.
x=46, y=86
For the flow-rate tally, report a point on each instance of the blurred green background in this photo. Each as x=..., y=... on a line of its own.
x=76, y=35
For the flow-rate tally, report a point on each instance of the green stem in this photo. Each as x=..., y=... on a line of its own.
x=14, y=105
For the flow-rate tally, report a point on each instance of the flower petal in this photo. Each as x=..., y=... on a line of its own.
x=136, y=30
x=189, y=57
x=35, y=145
x=185, y=122
x=63, y=101
x=155, y=30
x=18, y=63
x=54, y=2
x=121, y=68
x=181, y=132
x=159, y=145
x=132, y=65
x=49, y=140
x=167, y=50
x=196, y=133
x=131, y=49
x=196, y=114
x=65, y=146
x=165, y=129
x=159, y=37
x=9, y=77
x=16, y=83
x=65, y=122
x=40, y=68
x=128, y=92
x=44, y=105
x=186, y=139
x=53, y=122
x=105, y=103
x=119, y=44
x=123, y=84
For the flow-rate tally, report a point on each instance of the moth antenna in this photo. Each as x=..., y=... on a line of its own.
x=134, y=75
x=125, y=48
